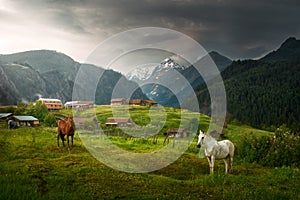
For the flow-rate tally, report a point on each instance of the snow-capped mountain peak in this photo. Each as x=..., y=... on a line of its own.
x=145, y=72
x=169, y=63
x=141, y=73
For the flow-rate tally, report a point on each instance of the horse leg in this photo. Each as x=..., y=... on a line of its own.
x=62, y=139
x=68, y=141
x=212, y=164
x=231, y=155
x=231, y=164
x=226, y=165
x=209, y=159
x=72, y=136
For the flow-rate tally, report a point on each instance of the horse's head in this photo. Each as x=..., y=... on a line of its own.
x=70, y=122
x=200, y=139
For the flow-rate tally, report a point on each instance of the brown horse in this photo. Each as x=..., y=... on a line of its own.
x=65, y=128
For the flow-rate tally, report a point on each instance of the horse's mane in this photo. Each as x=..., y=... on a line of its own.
x=210, y=140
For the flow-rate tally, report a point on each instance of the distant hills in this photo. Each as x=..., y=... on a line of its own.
x=264, y=92
x=28, y=75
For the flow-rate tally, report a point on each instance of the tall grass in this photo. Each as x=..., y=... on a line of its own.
x=33, y=167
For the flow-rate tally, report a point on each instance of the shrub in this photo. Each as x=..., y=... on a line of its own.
x=281, y=150
x=50, y=120
x=39, y=110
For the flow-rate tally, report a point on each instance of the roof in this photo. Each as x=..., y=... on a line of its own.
x=46, y=99
x=9, y=106
x=87, y=102
x=79, y=103
x=118, y=120
x=5, y=115
x=118, y=99
x=25, y=118
x=151, y=101
x=71, y=102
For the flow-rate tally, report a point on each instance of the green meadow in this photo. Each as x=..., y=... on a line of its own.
x=33, y=167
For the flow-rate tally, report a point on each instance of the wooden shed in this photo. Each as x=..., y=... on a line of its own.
x=26, y=121
x=5, y=116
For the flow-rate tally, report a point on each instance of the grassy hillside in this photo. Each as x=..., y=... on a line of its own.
x=33, y=167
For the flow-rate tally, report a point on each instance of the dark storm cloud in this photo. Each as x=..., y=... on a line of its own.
x=239, y=29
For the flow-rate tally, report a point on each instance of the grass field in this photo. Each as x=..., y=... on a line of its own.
x=33, y=167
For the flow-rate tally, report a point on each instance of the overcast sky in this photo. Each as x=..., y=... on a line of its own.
x=235, y=28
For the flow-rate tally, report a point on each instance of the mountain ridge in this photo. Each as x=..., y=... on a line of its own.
x=289, y=50
x=265, y=92
x=25, y=76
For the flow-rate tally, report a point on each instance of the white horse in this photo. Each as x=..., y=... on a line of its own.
x=216, y=150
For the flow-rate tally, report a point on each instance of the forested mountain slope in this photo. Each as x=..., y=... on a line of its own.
x=263, y=92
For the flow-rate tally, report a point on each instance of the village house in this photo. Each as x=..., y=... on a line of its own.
x=141, y=102
x=179, y=132
x=150, y=103
x=175, y=133
x=118, y=122
x=138, y=102
x=118, y=101
x=79, y=105
x=51, y=104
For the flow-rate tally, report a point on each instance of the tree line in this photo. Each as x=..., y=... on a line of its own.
x=261, y=94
